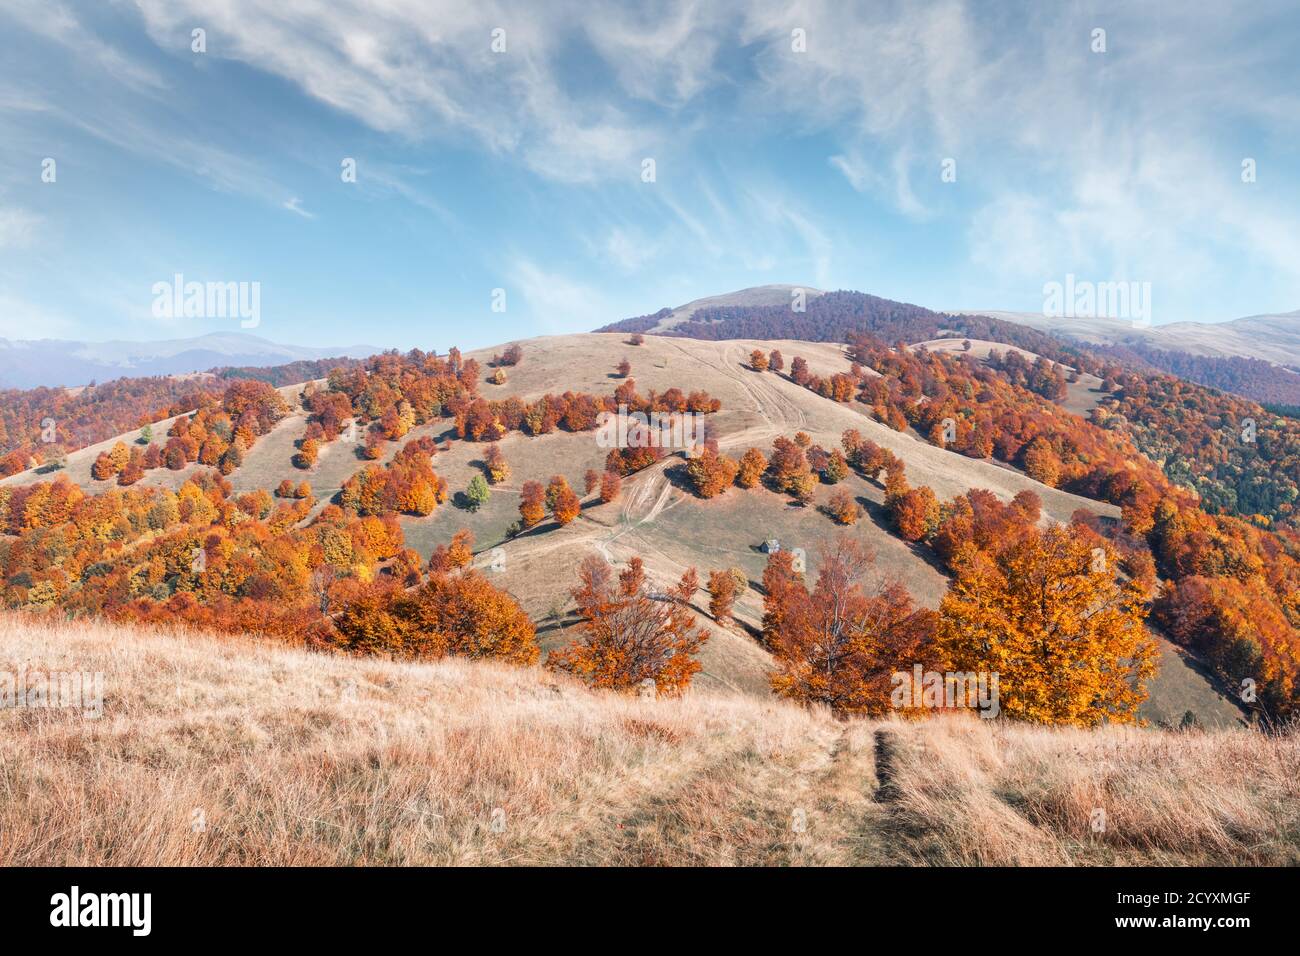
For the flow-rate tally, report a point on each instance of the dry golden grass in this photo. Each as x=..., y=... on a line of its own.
x=1009, y=794
x=299, y=758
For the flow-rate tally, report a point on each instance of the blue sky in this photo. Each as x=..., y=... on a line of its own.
x=522, y=169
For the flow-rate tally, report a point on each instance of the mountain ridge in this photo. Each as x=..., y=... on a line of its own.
x=35, y=363
x=1272, y=337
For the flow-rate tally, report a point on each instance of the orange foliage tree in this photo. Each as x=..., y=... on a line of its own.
x=722, y=595
x=610, y=484
x=790, y=470
x=843, y=508
x=631, y=635
x=752, y=466
x=461, y=615
x=497, y=468
x=916, y=513
x=711, y=473
x=563, y=502
x=1060, y=628
x=840, y=644
x=532, y=503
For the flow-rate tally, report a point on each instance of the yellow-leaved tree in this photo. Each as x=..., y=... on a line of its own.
x=1053, y=619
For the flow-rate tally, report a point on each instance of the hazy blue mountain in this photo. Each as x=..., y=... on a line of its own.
x=28, y=363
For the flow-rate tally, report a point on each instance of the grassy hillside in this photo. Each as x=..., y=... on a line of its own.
x=657, y=517
x=218, y=750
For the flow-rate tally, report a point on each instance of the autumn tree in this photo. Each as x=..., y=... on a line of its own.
x=803, y=487
x=308, y=450
x=916, y=513
x=134, y=469
x=1041, y=462
x=840, y=644
x=232, y=458
x=843, y=508
x=896, y=484
x=789, y=468
x=758, y=360
x=610, y=484
x=460, y=552
x=624, y=368
x=780, y=580
x=477, y=422
x=456, y=555
x=775, y=361
x=102, y=469
x=629, y=634
x=590, y=480
x=1029, y=505
x=457, y=615
x=497, y=468
x=722, y=595
x=711, y=473
x=836, y=469
x=561, y=499
x=532, y=503
x=1062, y=631
x=752, y=466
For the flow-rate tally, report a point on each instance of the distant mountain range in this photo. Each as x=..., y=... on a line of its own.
x=29, y=363
x=1256, y=357
x=1272, y=338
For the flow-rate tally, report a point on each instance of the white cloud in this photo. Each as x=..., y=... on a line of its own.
x=558, y=304
x=17, y=228
x=294, y=205
x=855, y=169
x=1018, y=99
x=54, y=21
x=895, y=189
x=629, y=249
x=1123, y=163
x=421, y=67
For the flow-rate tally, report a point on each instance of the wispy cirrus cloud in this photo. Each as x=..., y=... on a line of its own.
x=557, y=302
x=1123, y=164
x=294, y=205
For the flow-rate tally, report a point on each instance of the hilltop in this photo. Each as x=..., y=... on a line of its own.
x=220, y=750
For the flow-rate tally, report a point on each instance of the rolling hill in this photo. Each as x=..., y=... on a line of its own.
x=1257, y=357
x=657, y=518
